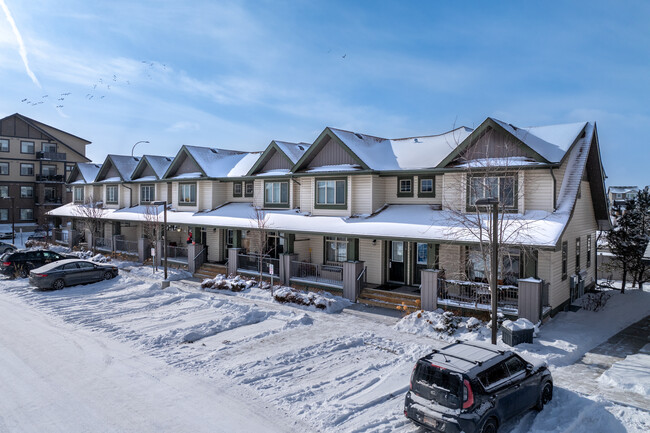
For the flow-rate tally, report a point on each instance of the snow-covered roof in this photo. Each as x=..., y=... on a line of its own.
x=538, y=228
x=222, y=162
x=576, y=163
x=88, y=170
x=294, y=151
x=159, y=164
x=402, y=153
x=124, y=164
x=551, y=142
x=623, y=189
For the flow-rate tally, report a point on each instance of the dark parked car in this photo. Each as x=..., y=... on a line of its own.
x=474, y=387
x=6, y=247
x=21, y=262
x=70, y=272
x=38, y=236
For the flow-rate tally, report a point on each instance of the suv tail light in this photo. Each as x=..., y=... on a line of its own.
x=6, y=263
x=40, y=275
x=468, y=395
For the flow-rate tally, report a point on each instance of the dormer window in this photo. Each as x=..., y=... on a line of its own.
x=187, y=194
x=502, y=187
x=78, y=194
x=276, y=194
x=147, y=193
x=111, y=194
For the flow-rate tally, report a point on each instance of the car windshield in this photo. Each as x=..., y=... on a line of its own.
x=437, y=384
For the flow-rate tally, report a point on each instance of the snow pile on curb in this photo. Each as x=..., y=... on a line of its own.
x=625, y=374
x=322, y=301
x=443, y=325
x=518, y=325
x=220, y=282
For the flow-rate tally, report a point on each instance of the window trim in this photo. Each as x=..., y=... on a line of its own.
x=33, y=147
x=74, y=194
x=117, y=194
x=578, y=253
x=26, y=186
x=433, y=185
x=56, y=169
x=336, y=240
x=148, y=185
x=8, y=145
x=344, y=205
x=27, y=164
x=234, y=189
x=246, y=185
x=8, y=169
x=5, y=186
x=502, y=209
x=44, y=143
x=565, y=260
x=20, y=214
x=186, y=203
x=5, y=210
x=589, y=249
x=399, y=186
x=279, y=204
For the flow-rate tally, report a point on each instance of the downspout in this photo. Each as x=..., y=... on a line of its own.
x=554, y=190
x=130, y=195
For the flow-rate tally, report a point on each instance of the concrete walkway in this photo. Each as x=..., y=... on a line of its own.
x=582, y=375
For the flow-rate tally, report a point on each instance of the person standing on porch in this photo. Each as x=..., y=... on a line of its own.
x=189, y=238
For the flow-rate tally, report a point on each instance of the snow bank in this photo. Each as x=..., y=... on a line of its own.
x=444, y=325
x=518, y=325
x=321, y=301
x=630, y=374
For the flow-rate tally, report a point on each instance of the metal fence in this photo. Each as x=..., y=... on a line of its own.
x=251, y=263
x=176, y=252
x=103, y=244
x=61, y=236
x=312, y=272
x=124, y=246
x=474, y=295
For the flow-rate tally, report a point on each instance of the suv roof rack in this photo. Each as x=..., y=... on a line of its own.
x=478, y=346
x=471, y=361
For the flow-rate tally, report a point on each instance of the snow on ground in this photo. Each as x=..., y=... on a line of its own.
x=334, y=372
x=631, y=374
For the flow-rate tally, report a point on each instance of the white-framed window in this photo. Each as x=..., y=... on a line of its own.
x=27, y=169
x=187, y=194
x=147, y=193
x=4, y=191
x=276, y=193
x=26, y=191
x=336, y=249
x=501, y=187
x=249, y=189
x=4, y=145
x=4, y=214
x=111, y=194
x=26, y=147
x=79, y=194
x=331, y=192
x=27, y=214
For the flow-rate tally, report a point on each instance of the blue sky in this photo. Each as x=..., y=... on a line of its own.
x=240, y=74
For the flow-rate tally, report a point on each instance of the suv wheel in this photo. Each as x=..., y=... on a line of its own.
x=58, y=284
x=24, y=270
x=545, y=396
x=490, y=426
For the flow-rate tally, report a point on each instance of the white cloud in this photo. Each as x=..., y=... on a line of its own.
x=184, y=126
x=21, y=45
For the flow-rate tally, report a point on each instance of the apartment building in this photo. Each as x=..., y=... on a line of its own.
x=35, y=160
x=395, y=208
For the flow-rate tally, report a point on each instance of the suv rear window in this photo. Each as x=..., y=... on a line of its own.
x=437, y=384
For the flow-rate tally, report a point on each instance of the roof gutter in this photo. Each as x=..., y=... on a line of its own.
x=554, y=190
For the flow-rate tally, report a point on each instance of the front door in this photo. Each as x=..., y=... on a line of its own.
x=396, y=258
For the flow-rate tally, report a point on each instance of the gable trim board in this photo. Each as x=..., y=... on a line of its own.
x=266, y=156
x=177, y=161
x=318, y=145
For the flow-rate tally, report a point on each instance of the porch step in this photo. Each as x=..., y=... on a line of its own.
x=210, y=270
x=387, y=299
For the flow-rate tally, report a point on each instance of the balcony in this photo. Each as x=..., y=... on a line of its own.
x=52, y=156
x=48, y=201
x=49, y=178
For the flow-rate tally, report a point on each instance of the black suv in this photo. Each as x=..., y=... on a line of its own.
x=474, y=387
x=21, y=262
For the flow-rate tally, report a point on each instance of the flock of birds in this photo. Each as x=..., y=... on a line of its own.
x=98, y=91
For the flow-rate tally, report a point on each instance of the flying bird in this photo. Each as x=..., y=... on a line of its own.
x=344, y=55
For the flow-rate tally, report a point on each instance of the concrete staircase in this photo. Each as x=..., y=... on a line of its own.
x=388, y=299
x=210, y=270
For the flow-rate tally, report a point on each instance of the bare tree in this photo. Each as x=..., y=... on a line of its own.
x=259, y=237
x=491, y=168
x=151, y=227
x=91, y=213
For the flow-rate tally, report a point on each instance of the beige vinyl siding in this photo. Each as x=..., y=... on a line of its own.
x=537, y=190
x=582, y=224
x=454, y=191
x=390, y=191
x=317, y=247
x=108, y=230
x=219, y=193
x=213, y=240
x=378, y=194
x=373, y=257
x=174, y=198
x=231, y=198
x=452, y=261
x=161, y=191
x=258, y=193
x=301, y=247
x=204, y=194
x=361, y=198
x=307, y=194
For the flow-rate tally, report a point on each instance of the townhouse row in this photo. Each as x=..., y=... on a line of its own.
x=397, y=207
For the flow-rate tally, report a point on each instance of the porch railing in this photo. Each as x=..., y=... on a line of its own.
x=103, y=244
x=313, y=272
x=176, y=252
x=124, y=246
x=61, y=236
x=476, y=295
x=251, y=263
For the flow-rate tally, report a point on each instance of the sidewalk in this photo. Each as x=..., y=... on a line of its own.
x=582, y=375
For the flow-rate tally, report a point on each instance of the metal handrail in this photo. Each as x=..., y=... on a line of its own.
x=362, y=273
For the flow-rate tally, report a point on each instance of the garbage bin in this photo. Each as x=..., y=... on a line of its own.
x=517, y=332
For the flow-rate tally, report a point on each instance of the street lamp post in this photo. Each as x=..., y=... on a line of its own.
x=164, y=204
x=494, y=202
x=133, y=148
x=13, y=219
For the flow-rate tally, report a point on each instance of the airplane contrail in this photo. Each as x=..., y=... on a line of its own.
x=21, y=44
